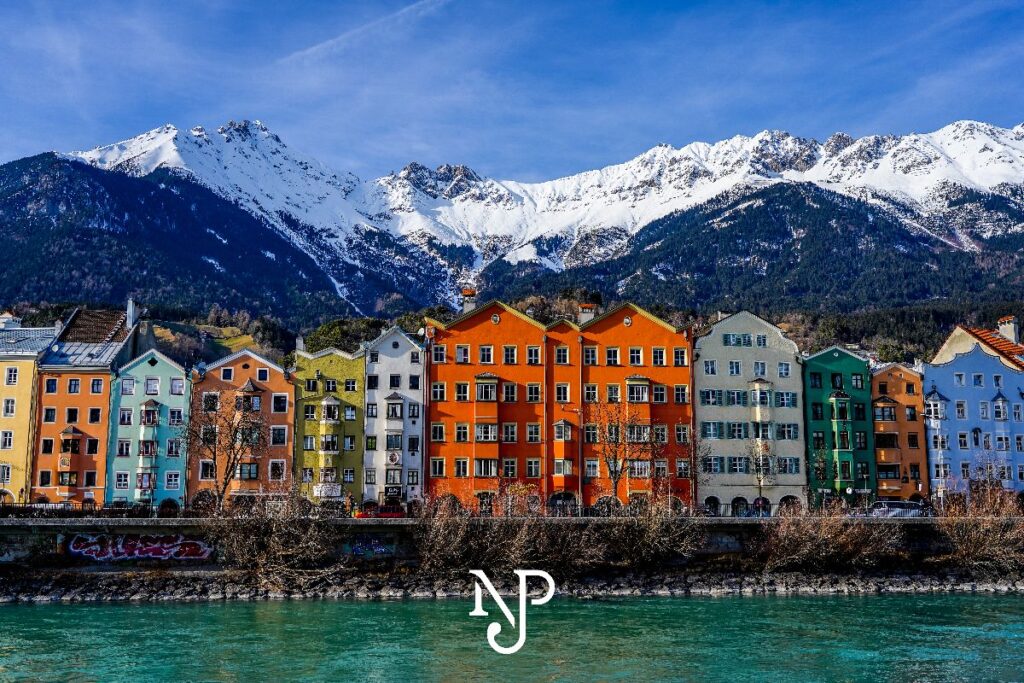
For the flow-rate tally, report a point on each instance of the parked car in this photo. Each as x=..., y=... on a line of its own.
x=899, y=508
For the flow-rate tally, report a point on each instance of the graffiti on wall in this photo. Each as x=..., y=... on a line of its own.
x=367, y=545
x=114, y=547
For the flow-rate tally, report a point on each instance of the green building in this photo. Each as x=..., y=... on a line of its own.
x=329, y=424
x=840, y=435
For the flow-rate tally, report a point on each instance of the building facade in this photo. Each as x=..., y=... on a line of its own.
x=395, y=417
x=901, y=454
x=749, y=393
x=240, y=430
x=589, y=412
x=840, y=435
x=974, y=411
x=73, y=404
x=329, y=424
x=20, y=348
x=150, y=402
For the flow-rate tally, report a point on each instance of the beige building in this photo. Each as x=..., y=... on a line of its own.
x=748, y=396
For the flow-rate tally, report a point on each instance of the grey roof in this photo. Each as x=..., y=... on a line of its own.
x=82, y=354
x=26, y=340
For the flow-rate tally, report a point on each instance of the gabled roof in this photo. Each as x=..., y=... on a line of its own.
x=639, y=311
x=151, y=403
x=366, y=346
x=885, y=399
x=884, y=367
x=999, y=397
x=394, y=396
x=151, y=353
x=25, y=340
x=934, y=395
x=711, y=329
x=89, y=339
x=562, y=321
x=244, y=352
x=329, y=351
x=1014, y=353
x=834, y=347
x=482, y=309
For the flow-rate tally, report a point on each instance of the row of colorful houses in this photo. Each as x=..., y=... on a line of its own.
x=494, y=409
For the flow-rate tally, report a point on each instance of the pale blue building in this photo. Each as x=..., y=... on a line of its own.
x=149, y=411
x=974, y=410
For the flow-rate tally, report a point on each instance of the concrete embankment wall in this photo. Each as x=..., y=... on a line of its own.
x=70, y=542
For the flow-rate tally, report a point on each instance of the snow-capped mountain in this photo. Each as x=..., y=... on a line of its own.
x=407, y=239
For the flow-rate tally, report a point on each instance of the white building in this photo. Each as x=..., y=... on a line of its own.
x=748, y=396
x=395, y=414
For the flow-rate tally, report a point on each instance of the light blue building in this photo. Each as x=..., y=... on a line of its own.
x=149, y=411
x=974, y=411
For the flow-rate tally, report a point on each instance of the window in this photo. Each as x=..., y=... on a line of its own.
x=912, y=440
x=658, y=357
x=712, y=464
x=815, y=380
x=437, y=467
x=487, y=391
x=941, y=470
x=682, y=468
x=561, y=393
x=983, y=410
x=533, y=355
x=92, y=446
x=9, y=407
x=350, y=413
x=735, y=368
x=837, y=380
x=533, y=433
x=461, y=467
x=279, y=403
x=6, y=440
x=679, y=356
x=462, y=433
x=413, y=477
x=997, y=382
x=1002, y=442
x=787, y=431
x=611, y=355
x=50, y=386
x=978, y=380
x=74, y=386
x=613, y=394
x=277, y=470
x=885, y=414
x=659, y=393
x=438, y=353
x=486, y=432
x=508, y=354
x=562, y=355
x=173, y=448
x=760, y=368
x=437, y=432
x=563, y=467
x=393, y=476
x=211, y=401
x=152, y=386
x=710, y=367
x=121, y=481
x=124, y=448
x=45, y=478
x=12, y=376
x=207, y=472
x=348, y=475
x=227, y=374
x=637, y=393
x=278, y=435
x=5, y=474
x=67, y=478
x=563, y=431
x=371, y=443
x=46, y=446
x=311, y=386
x=485, y=467
x=509, y=432
x=533, y=393
x=172, y=481
x=532, y=468
x=247, y=471
x=712, y=430
x=590, y=393
x=679, y=393
x=125, y=417
x=739, y=464
x=486, y=355
x=372, y=382
x=263, y=374
x=437, y=391
x=96, y=415
x=682, y=434
x=462, y=391
x=371, y=410
x=590, y=355
x=49, y=415
x=590, y=433
x=940, y=442
x=999, y=410
x=857, y=380
x=461, y=353
x=591, y=469
x=636, y=355
x=785, y=399
x=394, y=381
x=788, y=465
x=760, y=397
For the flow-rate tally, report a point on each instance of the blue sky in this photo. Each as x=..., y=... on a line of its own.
x=514, y=89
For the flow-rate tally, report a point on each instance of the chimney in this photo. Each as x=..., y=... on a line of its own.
x=58, y=325
x=8, y=321
x=587, y=313
x=1009, y=329
x=133, y=316
x=468, y=299
x=300, y=343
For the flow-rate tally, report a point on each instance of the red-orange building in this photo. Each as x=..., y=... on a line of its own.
x=551, y=410
x=241, y=392
x=73, y=406
x=901, y=457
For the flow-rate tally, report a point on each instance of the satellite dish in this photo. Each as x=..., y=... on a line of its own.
x=849, y=490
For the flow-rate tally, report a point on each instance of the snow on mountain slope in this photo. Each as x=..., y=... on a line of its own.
x=419, y=214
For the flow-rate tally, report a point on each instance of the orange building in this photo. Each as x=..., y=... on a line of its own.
x=901, y=457
x=555, y=411
x=243, y=413
x=73, y=420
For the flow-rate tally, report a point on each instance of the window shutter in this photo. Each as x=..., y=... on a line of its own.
x=721, y=429
x=718, y=397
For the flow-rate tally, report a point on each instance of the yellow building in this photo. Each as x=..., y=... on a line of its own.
x=329, y=424
x=20, y=348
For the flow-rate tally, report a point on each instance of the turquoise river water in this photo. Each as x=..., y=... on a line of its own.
x=868, y=638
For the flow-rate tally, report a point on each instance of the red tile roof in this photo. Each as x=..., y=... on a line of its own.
x=1003, y=346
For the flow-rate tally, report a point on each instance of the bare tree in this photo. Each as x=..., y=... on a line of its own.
x=622, y=437
x=763, y=464
x=227, y=434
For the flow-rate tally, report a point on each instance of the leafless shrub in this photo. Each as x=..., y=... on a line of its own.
x=826, y=540
x=279, y=542
x=983, y=533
